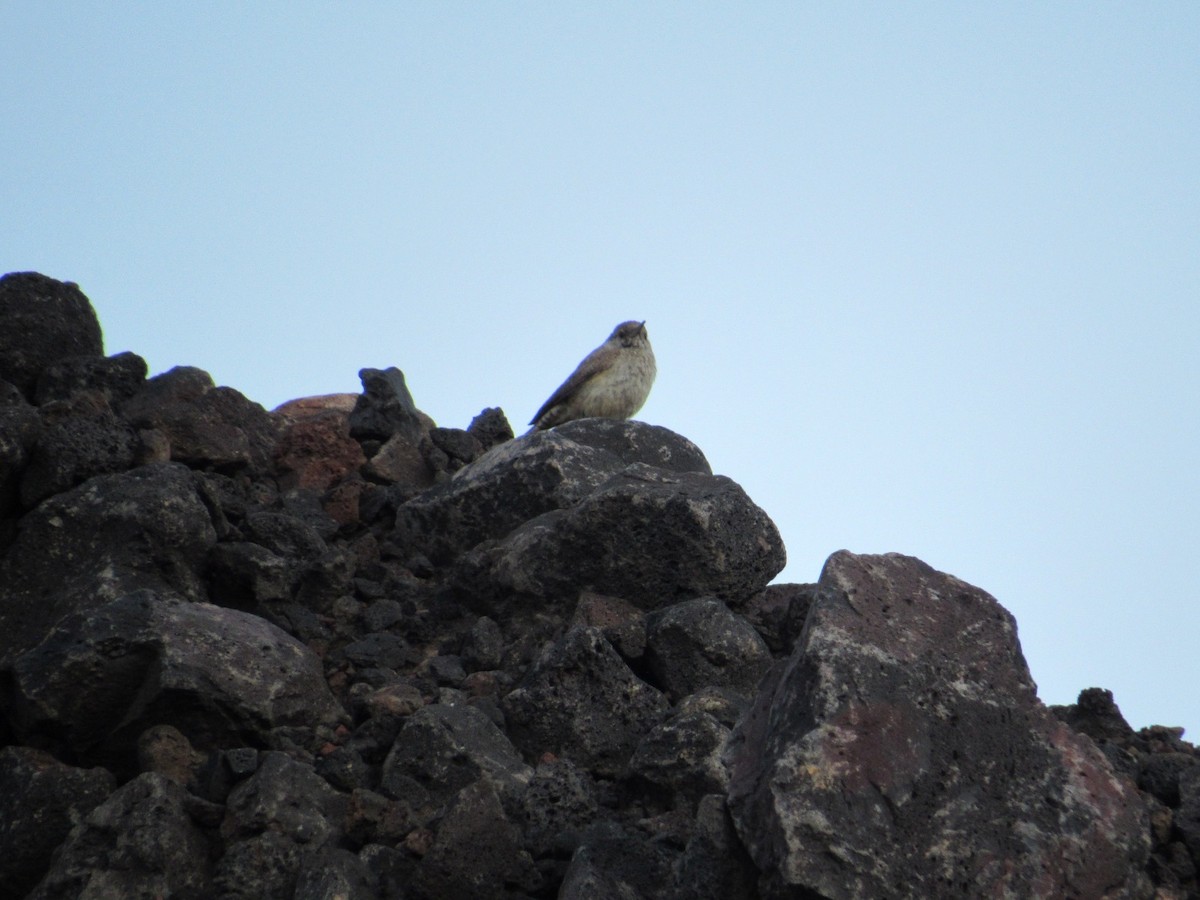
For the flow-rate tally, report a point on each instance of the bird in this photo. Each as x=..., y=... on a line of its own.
x=612, y=382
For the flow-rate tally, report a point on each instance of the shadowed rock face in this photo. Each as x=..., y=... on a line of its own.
x=220, y=675
x=337, y=650
x=142, y=529
x=902, y=752
x=45, y=321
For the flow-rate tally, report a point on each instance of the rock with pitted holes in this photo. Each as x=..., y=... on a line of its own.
x=902, y=751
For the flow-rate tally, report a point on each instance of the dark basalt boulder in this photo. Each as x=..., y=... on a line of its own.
x=77, y=441
x=286, y=797
x=442, y=748
x=334, y=873
x=385, y=408
x=613, y=862
x=113, y=534
x=476, y=854
x=41, y=799
x=45, y=322
x=519, y=480
x=277, y=820
x=700, y=643
x=106, y=674
x=684, y=755
x=714, y=865
x=490, y=428
x=581, y=701
x=649, y=536
x=140, y=843
x=19, y=428
x=205, y=425
x=116, y=378
x=902, y=751
x=559, y=805
x=335, y=650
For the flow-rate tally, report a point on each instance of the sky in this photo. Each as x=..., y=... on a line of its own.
x=921, y=277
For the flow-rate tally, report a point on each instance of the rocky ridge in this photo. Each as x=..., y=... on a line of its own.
x=336, y=650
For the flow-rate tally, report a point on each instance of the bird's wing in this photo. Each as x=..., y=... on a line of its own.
x=592, y=363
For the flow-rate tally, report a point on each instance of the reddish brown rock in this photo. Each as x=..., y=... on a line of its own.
x=306, y=407
x=315, y=450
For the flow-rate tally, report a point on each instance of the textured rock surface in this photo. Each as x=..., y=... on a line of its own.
x=218, y=675
x=45, y=322
x=477, y=853
x=19, y=428
x=146, y=528
x=699, y=643
x=339, y=651
x=41, y=800
x=518, y=480
x=205, y=425
x=650, y=536
x=442, y=749
x=315, y=450
x=76, y=442
x=140, y=843
x=581, y=701
x=385, y=407
x=116, y=378
x=902, y=751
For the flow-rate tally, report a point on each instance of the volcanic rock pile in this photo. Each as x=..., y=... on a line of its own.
x=336, y=651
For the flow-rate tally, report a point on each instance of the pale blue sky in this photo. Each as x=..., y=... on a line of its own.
x=922, y=277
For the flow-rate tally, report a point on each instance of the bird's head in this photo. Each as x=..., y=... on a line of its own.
x=630, y=334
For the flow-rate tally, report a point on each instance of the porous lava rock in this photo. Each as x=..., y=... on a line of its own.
x=45, y=321
x=548, y=470
x=77, y=441
x=315, y=450
x=442, y=748
x=477, y=853
x=105, y=674
x=902, y=751
x=19, y=428
x=116, y=378
x=204, y=425
x=142, y=529
x=141, y=842
x=649, y=536
x=580, y=700
x=385, y=407
x=41, y=800
x=340, y=650
x=701, y=643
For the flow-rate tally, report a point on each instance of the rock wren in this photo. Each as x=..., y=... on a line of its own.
x=613, y=380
